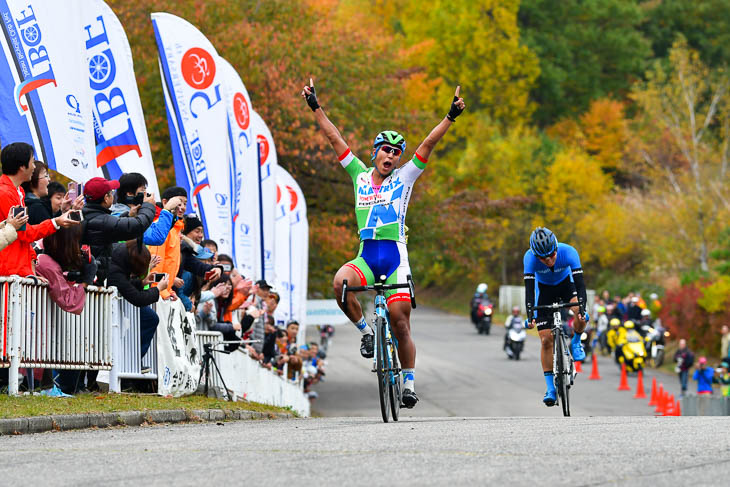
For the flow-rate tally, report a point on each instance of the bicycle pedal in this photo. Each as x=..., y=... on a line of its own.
x=373, y=369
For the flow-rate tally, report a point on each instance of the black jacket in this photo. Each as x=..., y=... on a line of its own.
x=39, y=209
x=120, y=277
x=190, y=263
x=101, y=230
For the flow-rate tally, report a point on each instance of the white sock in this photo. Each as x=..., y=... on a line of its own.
x=363, y=326
x=409, y=377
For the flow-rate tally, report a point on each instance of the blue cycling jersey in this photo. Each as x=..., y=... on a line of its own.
x=566, y=262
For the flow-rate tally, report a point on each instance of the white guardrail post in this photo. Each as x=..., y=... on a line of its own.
x=14, y=331
x=114, y=381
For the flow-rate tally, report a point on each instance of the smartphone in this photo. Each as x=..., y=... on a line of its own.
x=138, y=198
x=19, y=211
x=158, y=276
x=73, y=191
x=75, y=215
x=209, y=275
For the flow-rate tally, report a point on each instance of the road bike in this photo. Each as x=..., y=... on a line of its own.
x=385, y=356
x=563, y=365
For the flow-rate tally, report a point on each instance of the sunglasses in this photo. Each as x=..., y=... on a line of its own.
x=391, y=150
x=548, y=256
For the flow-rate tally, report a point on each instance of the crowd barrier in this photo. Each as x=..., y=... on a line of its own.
x=38, y=334
x=705, y=405
x=35, y=333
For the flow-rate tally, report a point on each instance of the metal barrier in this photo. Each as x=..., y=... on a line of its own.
x=128, y=363
x=38, y=334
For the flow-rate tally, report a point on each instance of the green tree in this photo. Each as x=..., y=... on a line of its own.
x=588, y=49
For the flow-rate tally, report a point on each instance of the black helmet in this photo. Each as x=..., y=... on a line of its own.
x=543, y=242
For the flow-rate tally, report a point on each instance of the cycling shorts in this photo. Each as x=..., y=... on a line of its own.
x=387, y=258
x=562, y=292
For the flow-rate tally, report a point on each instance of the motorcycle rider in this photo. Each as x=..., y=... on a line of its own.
x=630, y=346
x=645, y=323
x=480, y=297
x=613, y=333
x=513, y=321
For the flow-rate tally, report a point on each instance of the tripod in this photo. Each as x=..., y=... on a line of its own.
x=209, y=358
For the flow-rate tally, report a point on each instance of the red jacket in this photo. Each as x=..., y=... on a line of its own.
x=15, y=259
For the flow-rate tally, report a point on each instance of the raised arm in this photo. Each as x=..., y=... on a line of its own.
x=327, y=127
x=457, y=106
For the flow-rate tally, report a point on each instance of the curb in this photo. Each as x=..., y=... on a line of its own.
x=65, y=422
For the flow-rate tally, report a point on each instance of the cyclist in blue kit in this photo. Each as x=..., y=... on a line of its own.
x=553, y=274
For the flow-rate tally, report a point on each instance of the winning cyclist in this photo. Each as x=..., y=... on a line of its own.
x=382, y=193
x=553, y=274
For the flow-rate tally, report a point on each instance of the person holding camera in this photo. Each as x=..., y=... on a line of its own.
x=130, y=196
x=129, y=273
x=68, y=268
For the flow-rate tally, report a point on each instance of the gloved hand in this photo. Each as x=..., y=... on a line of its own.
x=310, y=95
x=588, y=317
x=457, y=106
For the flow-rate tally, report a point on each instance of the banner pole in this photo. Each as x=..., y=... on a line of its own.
x=261, y=211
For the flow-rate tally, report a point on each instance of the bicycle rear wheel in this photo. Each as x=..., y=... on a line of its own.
x=395, y=381
x=381, y=363
x=562, y=381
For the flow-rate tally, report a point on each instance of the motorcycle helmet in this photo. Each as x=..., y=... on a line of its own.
x=543, y=242
x=629, y=325
x=615, y=322
x=645, y=312
x=601, y=309
x=482, y=288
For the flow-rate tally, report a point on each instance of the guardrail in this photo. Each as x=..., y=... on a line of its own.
x=705, y=405
x=128, y=362
x=38, y=334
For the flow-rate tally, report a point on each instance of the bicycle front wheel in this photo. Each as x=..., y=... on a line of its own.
x=395, y=381
x=562, y=380
x=381, y=364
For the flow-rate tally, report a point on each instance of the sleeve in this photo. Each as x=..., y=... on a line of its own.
x=138, y=297
x=37, y=232
x=7, y=235
x=577, y=270
x=352, y=164
x=66, y=295
x=696, y=375
x=411, y=170
x=156, y=233
x=529, y=275
x=193, y=265
x=246, y=322
x=127, y=228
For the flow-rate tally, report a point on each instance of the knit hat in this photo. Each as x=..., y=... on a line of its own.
x=191, y=223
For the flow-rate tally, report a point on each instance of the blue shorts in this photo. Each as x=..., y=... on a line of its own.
x=378, y=258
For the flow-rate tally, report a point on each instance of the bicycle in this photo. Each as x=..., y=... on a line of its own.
x=563, y=364
x=385, y=357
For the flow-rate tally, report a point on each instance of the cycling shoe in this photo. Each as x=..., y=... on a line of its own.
x=366, y=345
x=576, y=350
x=409, y=398
x=550, y=398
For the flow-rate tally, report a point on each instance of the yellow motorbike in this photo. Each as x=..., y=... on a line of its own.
x=630, y=349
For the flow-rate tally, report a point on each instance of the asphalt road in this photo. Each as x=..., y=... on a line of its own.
x=461, y=373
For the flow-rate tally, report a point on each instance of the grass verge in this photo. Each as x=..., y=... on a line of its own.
x=25, y=406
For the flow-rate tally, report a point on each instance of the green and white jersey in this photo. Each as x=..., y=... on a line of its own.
x=382, y=215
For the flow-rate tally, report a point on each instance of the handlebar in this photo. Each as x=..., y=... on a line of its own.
x=378, y=286
x=556, y=306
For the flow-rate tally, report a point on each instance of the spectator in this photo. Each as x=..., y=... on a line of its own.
x=257, y=312
x=102, y=229
x=214, y=313
x=723, y=378
x=35, y=189
x=192, y=265
x=194, y=230
x=9, y=229
x=703, y=375
x=724, y=341
x=130, y=195
x=634, y=310
x=18, y=164
x=295, y=360
x=67, y=268
x=212, y=246
x=269, y=349
x=684, y=359
x=129, y=273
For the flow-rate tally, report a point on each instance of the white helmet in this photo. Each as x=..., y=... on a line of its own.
x=482, y=288
x=645, y=312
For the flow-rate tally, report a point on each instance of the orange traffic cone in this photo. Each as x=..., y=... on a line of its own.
x=578, y=367
x=594, y=373
x=669, y=406
x=677, y=409
x=624, y=385
x=660, y=399
x=640, y=394
x=652, y=400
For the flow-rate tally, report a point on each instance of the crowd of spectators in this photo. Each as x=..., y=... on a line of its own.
x=116, y=233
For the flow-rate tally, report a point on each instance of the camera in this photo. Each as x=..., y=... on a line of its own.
x=135, y=200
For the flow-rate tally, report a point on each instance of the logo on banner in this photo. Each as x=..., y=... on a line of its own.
x=278, y=194
x=240, y=110
x=198, y=68
x=245, y=228
x=263, y=148
x=109, y=101
x=293, y=198
x=221, y=199
x=36, y=54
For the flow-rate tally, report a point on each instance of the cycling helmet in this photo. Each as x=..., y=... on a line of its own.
x=543, y=242
x=614, y=322
x=390, y=137
x=482, y=288
x=628, y=324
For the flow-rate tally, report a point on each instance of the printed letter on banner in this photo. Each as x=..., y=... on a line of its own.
x=44, y=88
x=282, y=250
x=197, y=118
x=267, y=184
x=243, y=162
x=121, y=136
x=299, y=238
x=178, y=357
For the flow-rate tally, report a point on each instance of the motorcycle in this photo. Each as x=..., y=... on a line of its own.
x=655, y=340
x=632, y=353
x=515, y=343
x=325, y=337
x=484, y=318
